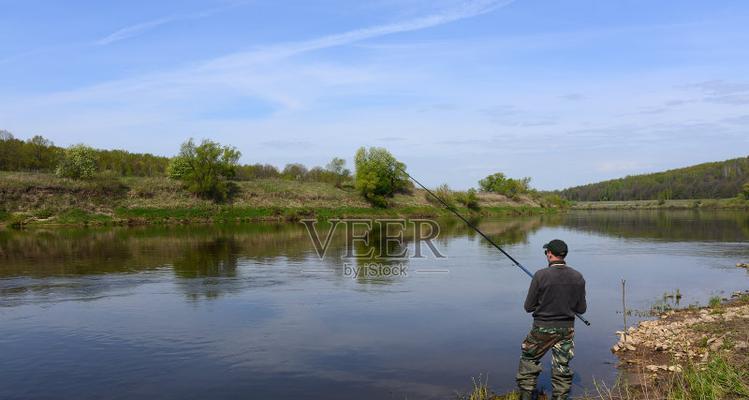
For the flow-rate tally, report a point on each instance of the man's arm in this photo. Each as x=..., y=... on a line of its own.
x=581, y=305
x=531, y=300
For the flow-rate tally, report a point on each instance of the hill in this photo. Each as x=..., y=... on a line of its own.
x=713, y=180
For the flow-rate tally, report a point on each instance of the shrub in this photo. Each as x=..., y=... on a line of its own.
x=745, y=191
x=663, y=196
x=178, y=168
x=468, y=199
x=444, y=193
x=205, y=169
x=553, y=200
x=379, y=175
x=499, y=183
x=78, y=162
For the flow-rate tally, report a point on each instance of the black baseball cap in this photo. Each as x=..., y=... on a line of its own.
x=557, y=247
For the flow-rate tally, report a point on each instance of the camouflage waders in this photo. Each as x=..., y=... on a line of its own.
x=535, y=345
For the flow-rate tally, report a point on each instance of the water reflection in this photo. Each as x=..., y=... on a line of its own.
x=667, y=225
x=245, y=311
x=216, y=251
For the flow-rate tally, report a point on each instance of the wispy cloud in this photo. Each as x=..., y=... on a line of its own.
x=137, y=29
x=724, y=92
x=124, y=33
x=251, y=72
x=143, y=27
x=467, y=9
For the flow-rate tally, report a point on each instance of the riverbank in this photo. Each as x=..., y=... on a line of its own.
x=696, y=353
x=699, y=352
x=43, y=199
x=706, y=204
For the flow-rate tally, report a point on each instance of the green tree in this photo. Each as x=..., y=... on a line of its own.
x=10, y=150
x=379, y=175
x=256, y=171
x=294, y=171
x=722, y=179
x=179, y=168
x=41, y=152
x=205, y=169
x=337, y=167
x=499, y=183
x=745, y=191
x=78, y=162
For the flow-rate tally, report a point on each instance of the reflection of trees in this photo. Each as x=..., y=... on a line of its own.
x=503, y=231
x=681, y=225
x=215, y=258
x=206, y=268
x=39, y=253
x=210, y=253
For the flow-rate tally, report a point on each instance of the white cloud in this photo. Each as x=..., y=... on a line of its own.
x=143, y=27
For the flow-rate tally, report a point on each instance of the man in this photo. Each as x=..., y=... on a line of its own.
x=555, y=295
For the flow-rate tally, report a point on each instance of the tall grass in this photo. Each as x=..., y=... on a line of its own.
x=481, y=391
x=718, y=379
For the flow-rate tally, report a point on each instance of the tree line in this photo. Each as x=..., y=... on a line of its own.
x=713, y=180
x=39, y=154
x=209, y=169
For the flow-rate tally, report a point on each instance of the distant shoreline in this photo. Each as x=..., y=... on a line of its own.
x=229, y=214
x=707, y=204
x=36, y=199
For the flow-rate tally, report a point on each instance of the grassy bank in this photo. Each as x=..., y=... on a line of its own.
x=43, y=199
x=709, y=204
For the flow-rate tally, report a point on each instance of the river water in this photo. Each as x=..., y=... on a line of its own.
x=252, y=311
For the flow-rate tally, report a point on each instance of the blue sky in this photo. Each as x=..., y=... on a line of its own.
x=566, y=92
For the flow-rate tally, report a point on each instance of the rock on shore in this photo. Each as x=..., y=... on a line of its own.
x=686, y=336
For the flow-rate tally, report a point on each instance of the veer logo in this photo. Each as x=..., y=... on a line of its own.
x=424, y=232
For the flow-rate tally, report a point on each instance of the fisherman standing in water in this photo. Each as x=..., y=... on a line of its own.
x=555, y=295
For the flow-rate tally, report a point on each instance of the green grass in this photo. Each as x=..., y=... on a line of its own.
x=480, y=391
x=44, y=199
x=81, y=217
x=718, y=379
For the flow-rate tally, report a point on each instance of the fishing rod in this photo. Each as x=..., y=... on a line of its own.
x=449, y=207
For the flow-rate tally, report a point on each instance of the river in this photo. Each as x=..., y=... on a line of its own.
x=252, y=311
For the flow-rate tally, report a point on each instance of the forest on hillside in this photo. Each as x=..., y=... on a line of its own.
x=713, y=180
